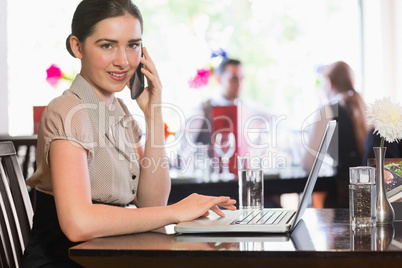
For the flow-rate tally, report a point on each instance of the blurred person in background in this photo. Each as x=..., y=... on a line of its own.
x=255, y=123
x=347, y=107
x=230, y=76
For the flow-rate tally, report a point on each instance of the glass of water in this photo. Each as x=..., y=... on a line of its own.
x=251, y=182
x=362, y=195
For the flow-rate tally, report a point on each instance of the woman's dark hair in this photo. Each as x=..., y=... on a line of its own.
x=341, y=76
x=342, y=79
x=90, y=12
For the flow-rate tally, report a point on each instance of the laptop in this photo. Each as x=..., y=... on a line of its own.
x=273, y=220
x=299, y=239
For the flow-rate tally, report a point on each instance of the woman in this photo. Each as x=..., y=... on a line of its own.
x=349, y=110
x=88, y=167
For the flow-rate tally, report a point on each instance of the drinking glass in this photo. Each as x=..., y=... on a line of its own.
x=225, y=148
x=251, y=182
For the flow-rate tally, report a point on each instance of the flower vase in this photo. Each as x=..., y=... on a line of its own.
x=384, y=236
x=384, y=211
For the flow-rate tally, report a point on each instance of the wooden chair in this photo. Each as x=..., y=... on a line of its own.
x=16, y=208
x=25, y=146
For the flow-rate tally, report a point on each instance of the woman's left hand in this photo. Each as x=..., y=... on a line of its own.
x=153, y=92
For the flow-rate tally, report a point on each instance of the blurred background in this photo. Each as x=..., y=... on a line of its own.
x=283, y=46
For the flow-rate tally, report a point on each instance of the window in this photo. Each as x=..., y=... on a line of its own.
x=281, y=43
x=36, y=36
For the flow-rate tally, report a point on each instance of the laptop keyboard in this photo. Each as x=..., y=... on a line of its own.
x=260, y=217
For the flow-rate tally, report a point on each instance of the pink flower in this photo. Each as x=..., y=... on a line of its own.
x=54, y=74
x=201, y=79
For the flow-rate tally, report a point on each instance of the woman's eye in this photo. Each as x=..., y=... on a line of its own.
x=107, y=46
x=133, y=45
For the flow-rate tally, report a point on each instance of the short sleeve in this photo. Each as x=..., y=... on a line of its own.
x=67, y=118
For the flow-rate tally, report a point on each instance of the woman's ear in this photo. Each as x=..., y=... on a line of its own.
x=76, y=46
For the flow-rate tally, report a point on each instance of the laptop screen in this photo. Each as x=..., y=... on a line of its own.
x=312, y=178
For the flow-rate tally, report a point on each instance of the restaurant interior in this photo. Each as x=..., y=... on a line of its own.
x=284, y=48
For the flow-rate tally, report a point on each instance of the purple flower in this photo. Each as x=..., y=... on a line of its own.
x=320, y=68
x=219, y=53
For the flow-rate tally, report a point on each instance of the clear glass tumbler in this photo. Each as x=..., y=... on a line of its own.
x=251, y=182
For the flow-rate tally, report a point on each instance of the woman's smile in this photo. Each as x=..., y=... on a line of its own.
x=118, y=76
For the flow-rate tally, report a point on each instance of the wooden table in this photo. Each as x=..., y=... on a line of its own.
x=323, y=238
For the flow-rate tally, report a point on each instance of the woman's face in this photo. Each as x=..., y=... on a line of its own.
x=110, y=56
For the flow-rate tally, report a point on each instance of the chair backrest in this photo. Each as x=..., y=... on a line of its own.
x=16, y=208
x=25, y=146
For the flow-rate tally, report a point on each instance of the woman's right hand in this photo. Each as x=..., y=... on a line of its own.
x=151, y=98
x=196, y=205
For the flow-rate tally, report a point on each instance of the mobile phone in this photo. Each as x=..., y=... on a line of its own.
x=137, y=81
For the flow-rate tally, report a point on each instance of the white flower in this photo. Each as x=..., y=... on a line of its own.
x=386, y=117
